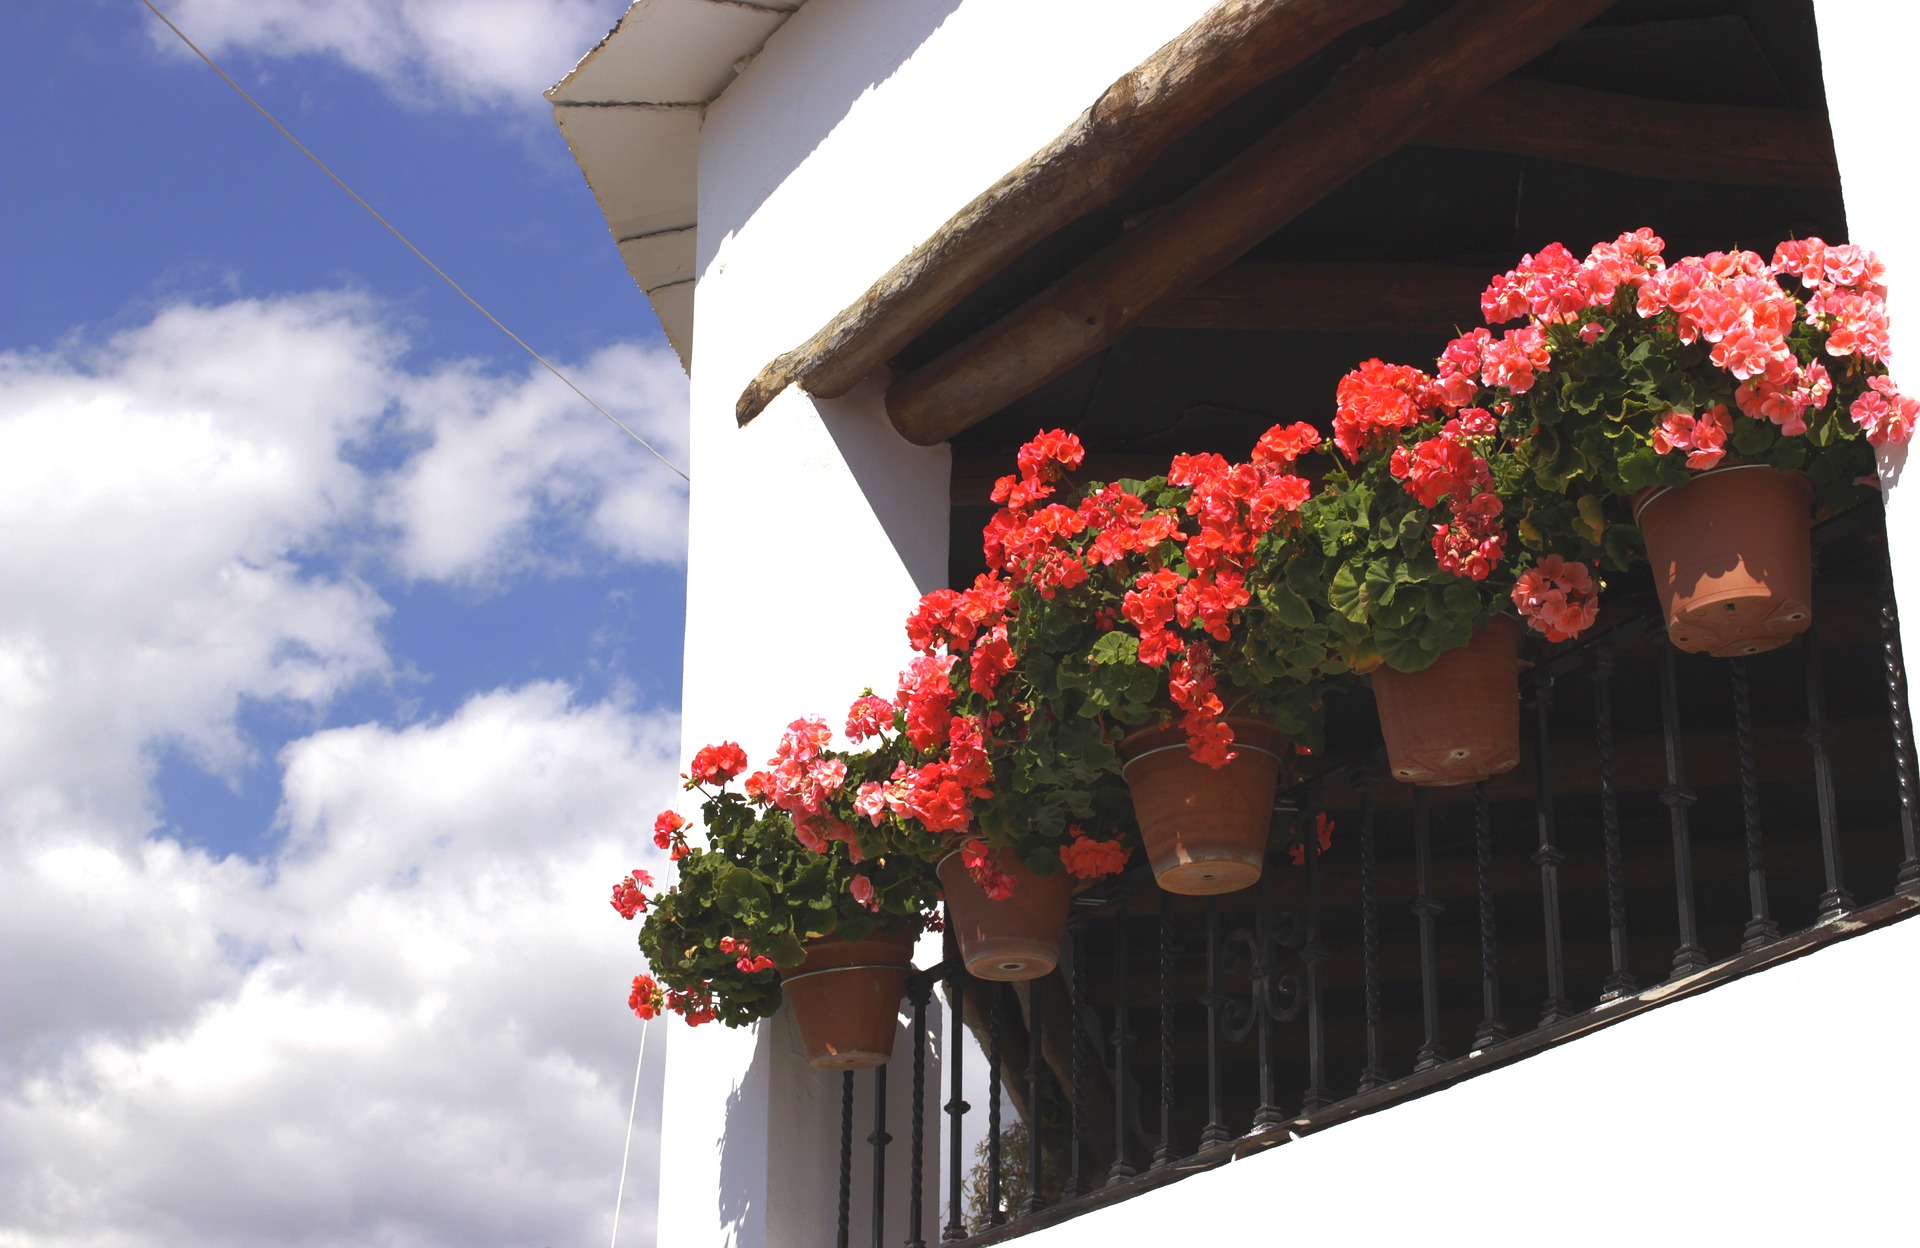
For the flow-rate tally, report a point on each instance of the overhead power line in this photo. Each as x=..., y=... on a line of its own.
x=408, y=243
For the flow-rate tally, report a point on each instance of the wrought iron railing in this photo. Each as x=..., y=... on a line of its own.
x=1314, y=983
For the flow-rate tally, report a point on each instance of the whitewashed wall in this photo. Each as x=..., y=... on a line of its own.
x=858, y=130
x=1869, y=51
x=1774, y=1110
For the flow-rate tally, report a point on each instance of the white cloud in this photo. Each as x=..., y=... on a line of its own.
x=159, y=492
x=472, y=53
x=507, y=461
x=409, y=1029
x=407, y=1025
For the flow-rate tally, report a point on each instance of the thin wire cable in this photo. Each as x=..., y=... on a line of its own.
x=408, y=243
x=621, y=1195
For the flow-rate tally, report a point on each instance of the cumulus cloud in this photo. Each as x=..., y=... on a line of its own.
x=159, y=492
x=408, y=1029
x=507, y=462
x=406, y=1024
x=470, y=53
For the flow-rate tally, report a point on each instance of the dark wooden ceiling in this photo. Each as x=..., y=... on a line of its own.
x=1159, y=390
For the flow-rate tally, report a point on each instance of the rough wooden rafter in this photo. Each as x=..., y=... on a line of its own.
x=1336, y=297
x=1236, y=46
x=1725, y=144
x=1371, y=108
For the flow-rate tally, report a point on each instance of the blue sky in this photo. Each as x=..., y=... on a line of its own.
x=339, y=646
x=170, y=188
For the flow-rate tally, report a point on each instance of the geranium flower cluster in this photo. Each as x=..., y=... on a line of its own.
x=1702, y=437
x=718, y=764
x=647, y=1000
x=628, y=899
x=1738, y=305
x=803, y=779
x=670, y=834
x=1089, y=858
x=1377, y=400
x=746, y=961
x=998, y=885
x=1380, y=402
x=1177, y=572
x=746, y=902
x=1557, y=598
x=1026, y=541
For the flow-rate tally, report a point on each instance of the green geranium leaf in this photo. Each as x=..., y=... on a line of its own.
x=1115, y=647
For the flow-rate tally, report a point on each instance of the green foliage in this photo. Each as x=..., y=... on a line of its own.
x=754, y=882
x=1080, y=684
x=1593, y=414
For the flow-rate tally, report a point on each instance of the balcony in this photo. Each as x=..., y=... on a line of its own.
x=1681, y=823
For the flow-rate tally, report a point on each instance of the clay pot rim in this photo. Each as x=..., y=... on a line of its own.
x=1259, y=722
x=1503, y=617
x=1647, y=498
x=1238, y=747
x=941, y=861
x=797, y=976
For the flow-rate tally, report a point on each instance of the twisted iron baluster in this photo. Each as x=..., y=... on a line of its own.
x=919, y=992
x=995, y=1214
x=1549, y=856
x=1490, y=1032
x=1678, y=799
x=1909, y=877
x=879, y=1139
x=1836, y=902
x=1077, y=1126
x=1314, y=954
x=1122, y=1169
x=1163, y=1154
x=956, y=1227
x=1215, y=1131
x=1375, y=1074
x=1035, y=1091
x=1264, y=971
x=1426, y=907
x=1761, y=930
x=1619, y=980
x=846, y=1157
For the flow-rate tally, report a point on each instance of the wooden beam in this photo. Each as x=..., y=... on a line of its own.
x=1236, y=46
x=1726, y=144
x=1365, y=298
x=1370, y=109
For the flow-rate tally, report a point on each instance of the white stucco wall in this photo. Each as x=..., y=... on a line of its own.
x=856, y=132
x=1868, y=51
x=1774, y=1110
x=859, y=129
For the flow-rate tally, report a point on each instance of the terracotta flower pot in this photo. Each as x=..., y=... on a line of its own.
x=1732, y=559
x=1458, y=721
x=1205, y=830
x=846, y=997
x=1015, y=939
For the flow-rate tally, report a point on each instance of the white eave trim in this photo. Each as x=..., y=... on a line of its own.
x=630, y=112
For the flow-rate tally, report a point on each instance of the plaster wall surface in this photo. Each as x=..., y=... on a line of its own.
x=1772, y=1110
x=859, y=129
x=1869, y=50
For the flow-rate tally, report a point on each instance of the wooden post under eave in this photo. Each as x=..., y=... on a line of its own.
x=1372, y=108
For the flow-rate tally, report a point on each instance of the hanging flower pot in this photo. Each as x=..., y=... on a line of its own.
x=1204, y=828
x=1017, y=937
x=1732, y=559
x=846, y=998
x=1458, y=721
